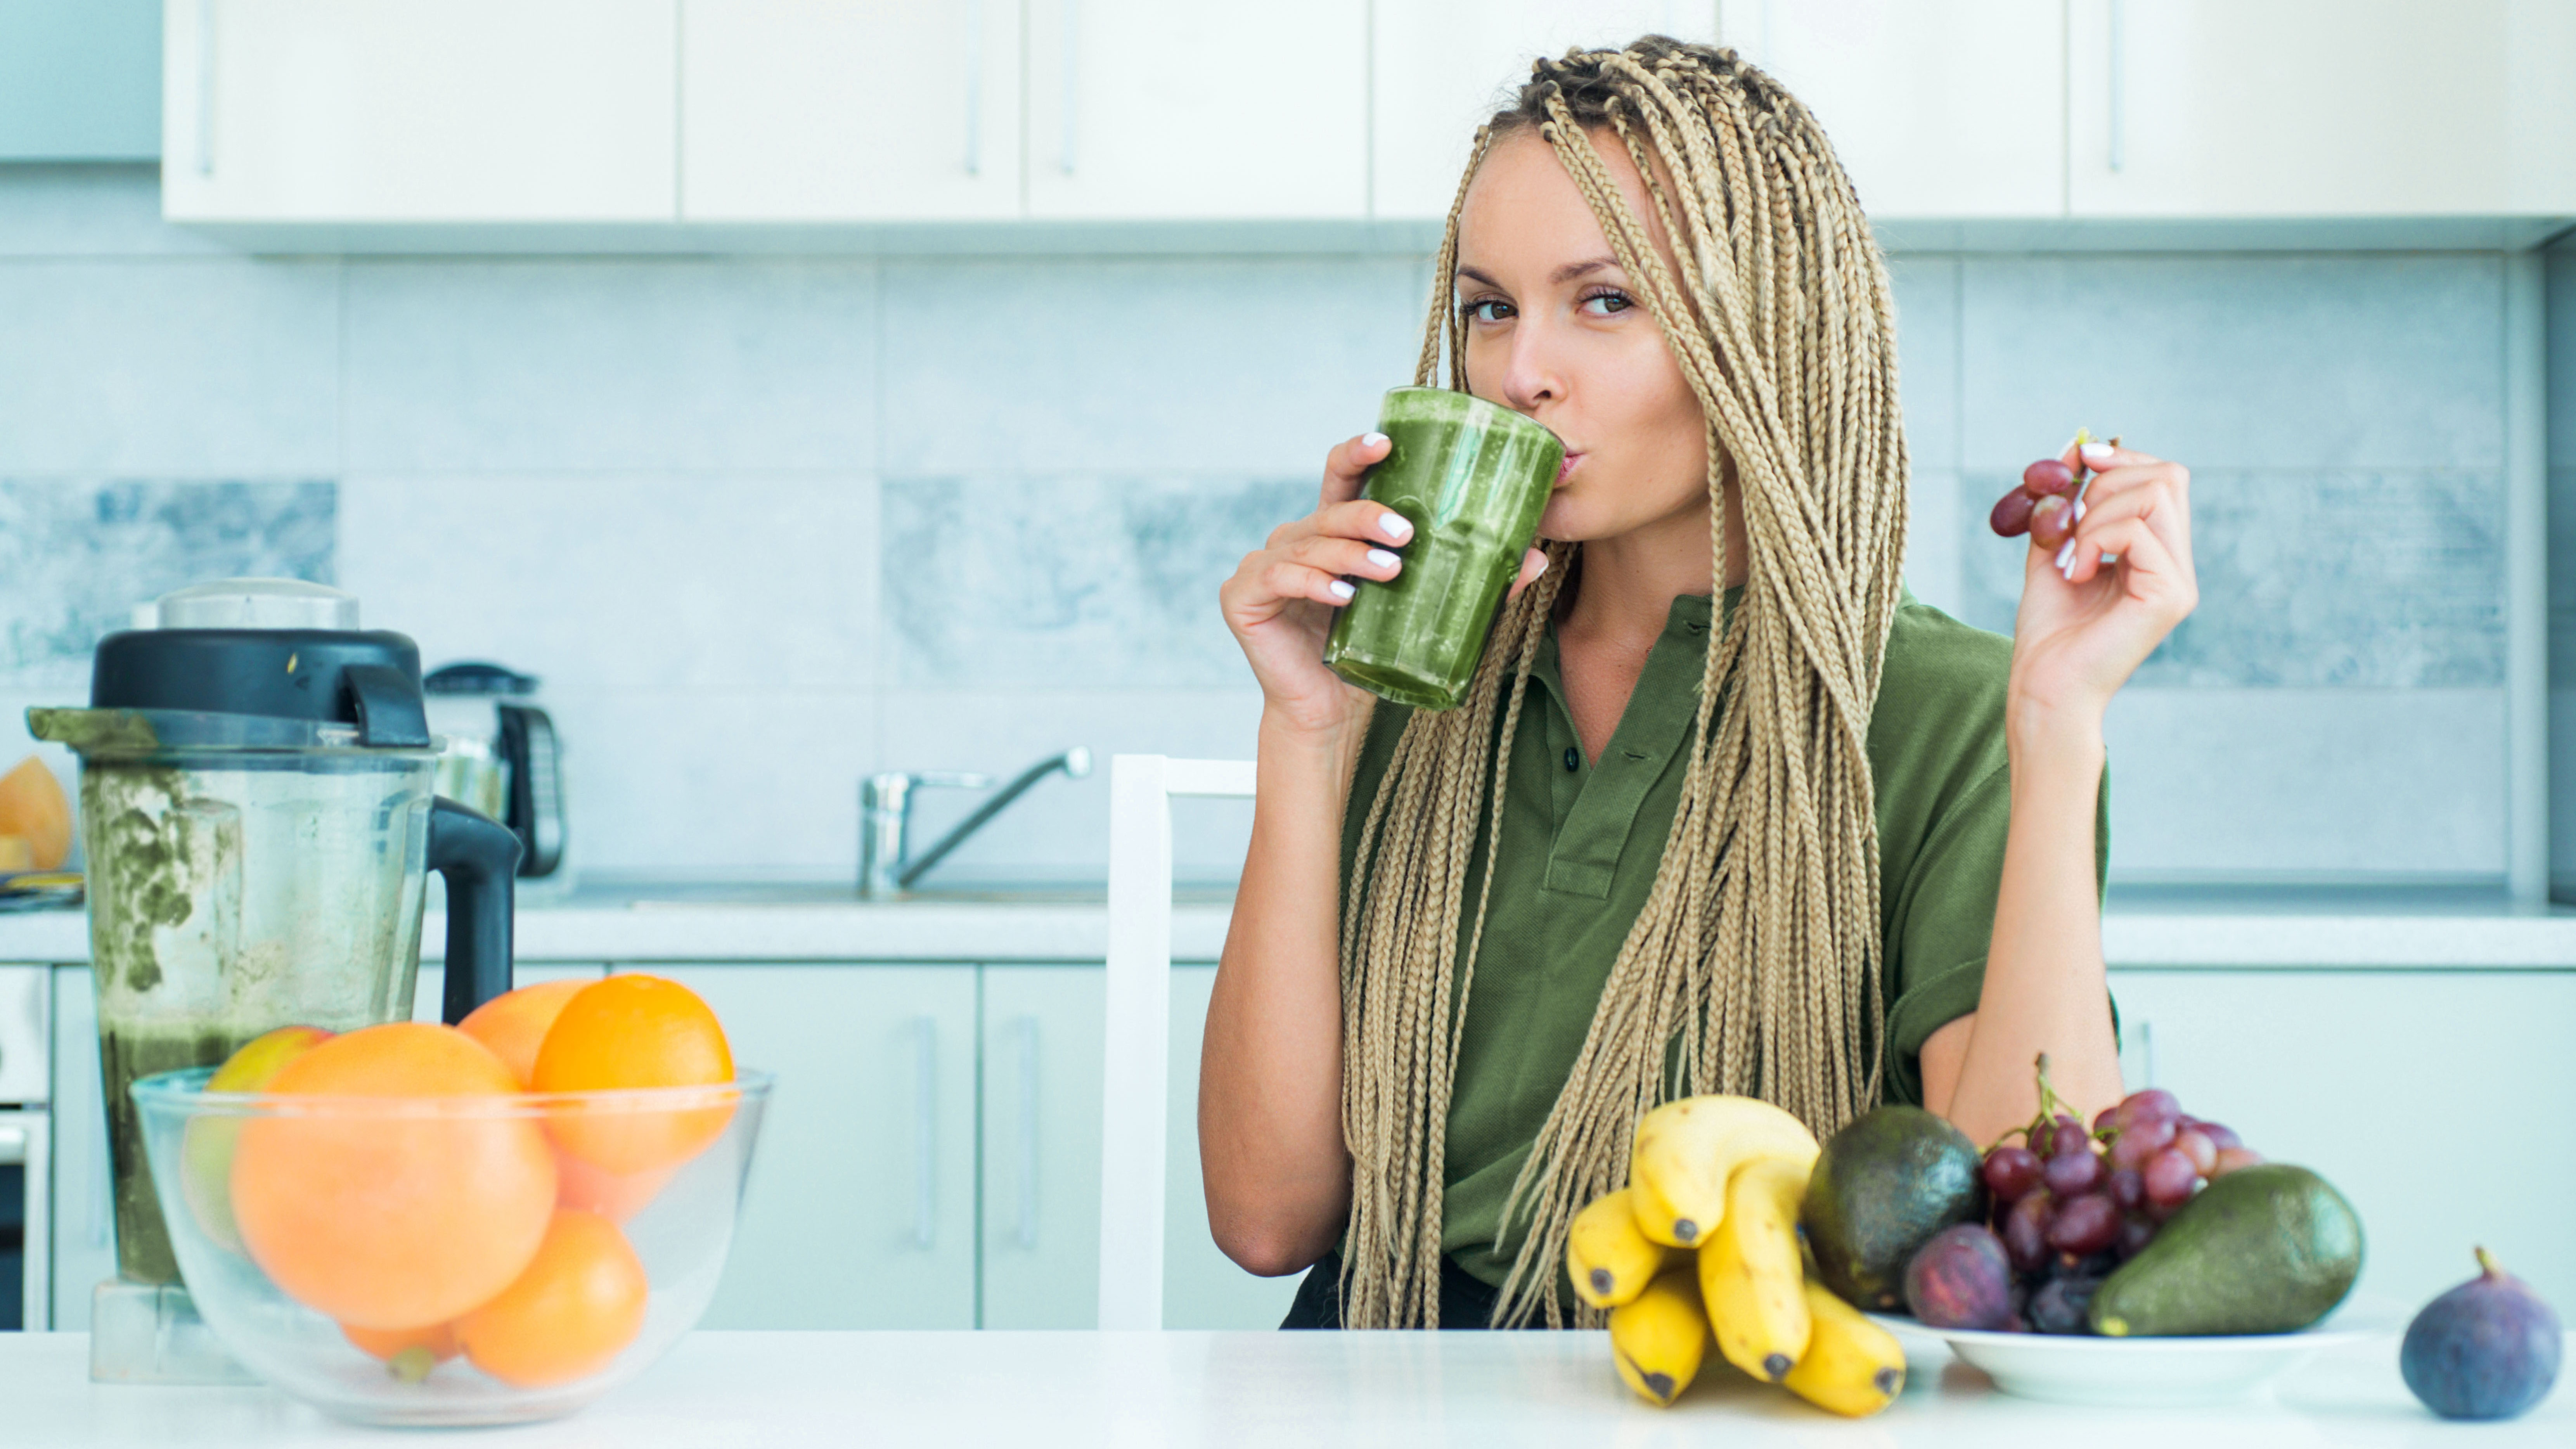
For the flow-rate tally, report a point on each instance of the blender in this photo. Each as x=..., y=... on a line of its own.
x=258, y=813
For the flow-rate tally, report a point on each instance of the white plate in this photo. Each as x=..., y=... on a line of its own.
x=2077, y=1369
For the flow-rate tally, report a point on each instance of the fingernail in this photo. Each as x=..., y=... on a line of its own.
x=1382, y=559
x=2079, y=510
x=1371, y=440
x=1342, y=589
x=2066, y=571
x=1542, y=568
x=2066, y=554
x=2097, y=452
x=1394, y=526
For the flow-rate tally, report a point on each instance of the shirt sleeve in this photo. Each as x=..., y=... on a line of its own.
x=1945, y=921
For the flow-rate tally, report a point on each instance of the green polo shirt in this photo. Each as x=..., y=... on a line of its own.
x=1581, y=841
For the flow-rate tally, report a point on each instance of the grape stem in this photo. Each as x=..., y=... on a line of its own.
x=2049, y=1103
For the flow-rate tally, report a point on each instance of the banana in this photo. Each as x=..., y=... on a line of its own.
x=1852, y=1366
x=1608, y=1259
x=1750, y=1270
x=1687, y=1149
x=1659, y=1337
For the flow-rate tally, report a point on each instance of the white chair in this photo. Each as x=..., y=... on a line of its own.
x=1135, y=1063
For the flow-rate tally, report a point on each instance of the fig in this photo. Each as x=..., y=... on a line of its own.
x=1961, y=1279
x=2487, y=1349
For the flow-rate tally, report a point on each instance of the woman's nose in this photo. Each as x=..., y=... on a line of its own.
x=1530, y=374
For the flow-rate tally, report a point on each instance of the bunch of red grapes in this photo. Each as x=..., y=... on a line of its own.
x=2071, y=1204
x=2043, y=506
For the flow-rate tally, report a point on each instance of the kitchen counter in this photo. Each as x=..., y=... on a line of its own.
x=2404, y=929
x=1244, y=1390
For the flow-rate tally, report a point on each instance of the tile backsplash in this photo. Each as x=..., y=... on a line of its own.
x=764, y=525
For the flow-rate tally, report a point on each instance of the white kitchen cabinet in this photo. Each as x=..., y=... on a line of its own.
x=1150, y=109
x=2435, y=1100
x=1937, y=108
x=2201, y=108
x=1440, y=68
x=1041, y=1186
x=84, y=1206
x=838, y=110
x=860, y=1211
x=419, y=110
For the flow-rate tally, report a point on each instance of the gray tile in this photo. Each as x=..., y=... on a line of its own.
x=90, y=211
x=2248, y=784
x=1060, y=829
x=75, y=558
x=1927, y=355
x=1069, y=583
x=742, y=583
x=2237, y=361
x=2562, y=577
x=709, y=782
x=625, y=364
x=170, y=368
x=2562, y=792
x=2560, y=274
x=1112, y=365
x=2352, y=579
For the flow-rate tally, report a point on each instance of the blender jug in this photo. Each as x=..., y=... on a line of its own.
x=258, y=815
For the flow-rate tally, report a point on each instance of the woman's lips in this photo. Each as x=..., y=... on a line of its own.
x=1567, y=467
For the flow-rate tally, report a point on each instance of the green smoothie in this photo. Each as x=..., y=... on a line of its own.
x=1472, y=479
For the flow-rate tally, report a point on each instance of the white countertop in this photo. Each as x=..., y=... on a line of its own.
x=2404, y=928
x=1244, y=1391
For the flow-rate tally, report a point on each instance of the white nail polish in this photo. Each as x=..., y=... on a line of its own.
x=2109, y=559
x=1371, y=440
x=2066, y=571
x=1342, y=588
x=2097, y=452
x=2066, y=554
x=1382, y=559
x=1394, y=526
x=2079, y=510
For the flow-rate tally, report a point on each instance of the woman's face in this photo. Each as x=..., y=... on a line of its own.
x=1556, y=330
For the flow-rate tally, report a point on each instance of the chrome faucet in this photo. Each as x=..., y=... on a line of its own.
x=885, y=815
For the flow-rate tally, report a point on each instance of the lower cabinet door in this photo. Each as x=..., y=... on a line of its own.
x=860, y=1211
x=1041, y=1161
x=84, y=1205
x=2434, y=1100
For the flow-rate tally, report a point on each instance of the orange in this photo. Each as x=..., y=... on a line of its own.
x=407, y=1353
x=390, y=1219
x=576, y=1306
x=613, y=1195
x=635, y=1031
x=513, y=1023
x=206, y=1148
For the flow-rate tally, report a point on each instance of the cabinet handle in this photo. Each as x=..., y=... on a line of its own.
x=2117, y=91
x=1072, y=75
x=925, y=1130
x=205, y=87
x=1028, y=1143
x=974, y=87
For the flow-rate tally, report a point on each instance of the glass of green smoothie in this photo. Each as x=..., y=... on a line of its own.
x=1472, y=478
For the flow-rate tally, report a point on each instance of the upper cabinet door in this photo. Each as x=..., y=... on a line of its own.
x=2320, y=107
x=419, y=110
x=849, y=110
x=1937, y=108
x=1160, y=109
x=1443, y=67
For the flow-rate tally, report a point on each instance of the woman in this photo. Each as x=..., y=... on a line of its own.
x=1806, y=839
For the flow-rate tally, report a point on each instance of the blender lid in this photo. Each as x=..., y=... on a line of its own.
x=475, y=677
x=265, y=647
x=257, y=604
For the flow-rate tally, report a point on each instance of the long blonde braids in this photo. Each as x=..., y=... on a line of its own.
x=1753, y=966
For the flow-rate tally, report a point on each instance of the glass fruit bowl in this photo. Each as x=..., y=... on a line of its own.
x=423, y=1260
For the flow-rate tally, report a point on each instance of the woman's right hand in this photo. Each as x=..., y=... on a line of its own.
x=1281, y=599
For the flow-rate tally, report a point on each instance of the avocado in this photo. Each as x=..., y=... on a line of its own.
x=2268, y=1249
x=1884, y=1185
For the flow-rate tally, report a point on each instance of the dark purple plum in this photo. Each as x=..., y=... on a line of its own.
x=1961, y=1279
x=2058, y=1306
x=2487, y=1349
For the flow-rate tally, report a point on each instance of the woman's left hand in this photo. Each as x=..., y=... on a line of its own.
x=2081, y=633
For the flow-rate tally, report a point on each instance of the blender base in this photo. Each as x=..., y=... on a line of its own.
x=149, y=1333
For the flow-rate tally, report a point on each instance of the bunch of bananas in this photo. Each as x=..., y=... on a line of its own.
x=1705, y=1239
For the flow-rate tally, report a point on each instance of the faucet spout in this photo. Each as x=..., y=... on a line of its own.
x=1075, y=763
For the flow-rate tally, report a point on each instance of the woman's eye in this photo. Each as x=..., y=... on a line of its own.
x=1488, y=309
x=1603, y=304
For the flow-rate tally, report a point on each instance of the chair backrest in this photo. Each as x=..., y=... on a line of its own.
x=1135, y=1076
